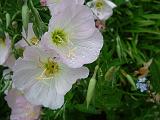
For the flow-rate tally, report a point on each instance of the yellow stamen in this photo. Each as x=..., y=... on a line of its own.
x=34, y=40
x=59, y=37
x=99, y=4
x=50, y=69
x=2, y=42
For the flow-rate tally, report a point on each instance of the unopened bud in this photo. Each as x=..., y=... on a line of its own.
x=25, y=16
x=14, y=24
x=8, y=20
x=91, y=86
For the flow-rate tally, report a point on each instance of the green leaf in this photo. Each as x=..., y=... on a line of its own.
x=155, y=72
x=119, y=2
x=152, y=16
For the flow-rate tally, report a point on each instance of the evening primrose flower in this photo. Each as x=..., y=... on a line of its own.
x=43, y=79
x=73, y=35
x=4, y=49
x=102, y=8
x=29, y=38
x=21, y=108
x=58, y=6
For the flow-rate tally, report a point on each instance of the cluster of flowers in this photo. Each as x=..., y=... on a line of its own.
x=51, y=65
x=141, y=84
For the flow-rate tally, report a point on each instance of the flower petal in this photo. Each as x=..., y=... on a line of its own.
x=68, y=77
x=78, y=23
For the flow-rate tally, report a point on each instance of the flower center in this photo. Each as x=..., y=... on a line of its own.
x=2, y=42
x=34, y=40
x=59, y=37
x=50, y=68
x=99, y=4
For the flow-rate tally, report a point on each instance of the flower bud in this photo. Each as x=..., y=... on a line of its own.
x=14, y=24
x=130, y=79
x=8, y=20
x=25, y=16
x=91, y=87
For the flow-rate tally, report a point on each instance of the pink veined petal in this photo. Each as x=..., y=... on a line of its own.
x=46, y=93
x=24, y=78
x=85, y=51
x=4, y=50
x=21, y=108
x=71, y=76
x=57, y=7
x=10, y=61
x=111, y=4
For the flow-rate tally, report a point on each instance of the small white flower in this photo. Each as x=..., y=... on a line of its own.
x=73, y=35
x=102, y=8
x=4, y=49
x=58, y=6
x=45, y=79
x=30, y=37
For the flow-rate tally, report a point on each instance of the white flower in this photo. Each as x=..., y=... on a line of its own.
x=21, y=108
x=4, y=49
x=58, y=6
x=72, y=34
x=45, y=79
x=102, y=8
x=30, y=37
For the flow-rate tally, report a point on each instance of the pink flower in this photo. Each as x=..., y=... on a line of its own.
x=21, y=108
x=44, y=78
x=73, y=35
